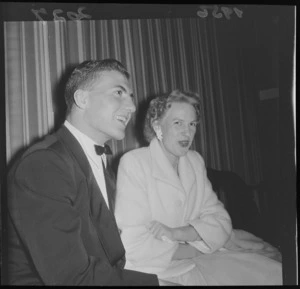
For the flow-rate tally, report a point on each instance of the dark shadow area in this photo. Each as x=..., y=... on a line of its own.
x=140, y=120
x=288, y=178
x=239, y=201
x=59, y=104
x=3, y=239
x=115, y=162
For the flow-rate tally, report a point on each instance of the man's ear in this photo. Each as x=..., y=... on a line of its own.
x=81, y=98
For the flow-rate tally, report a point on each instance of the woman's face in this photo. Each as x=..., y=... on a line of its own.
x=178, y=129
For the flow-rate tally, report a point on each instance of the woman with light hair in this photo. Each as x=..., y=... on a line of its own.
x=172, y=223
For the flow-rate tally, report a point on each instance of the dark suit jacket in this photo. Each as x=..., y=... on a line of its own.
x=60, y=230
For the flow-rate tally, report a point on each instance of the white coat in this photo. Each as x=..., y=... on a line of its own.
x=148, y=188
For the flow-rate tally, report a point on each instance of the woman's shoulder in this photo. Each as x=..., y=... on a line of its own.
x=135, y=160
x=140, y=154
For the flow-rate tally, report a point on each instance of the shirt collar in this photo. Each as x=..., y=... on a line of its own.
x=86, y=142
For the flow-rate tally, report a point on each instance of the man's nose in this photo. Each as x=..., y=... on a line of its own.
x=130, y=105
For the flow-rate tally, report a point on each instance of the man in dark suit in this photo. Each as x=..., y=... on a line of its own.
x=61, y=225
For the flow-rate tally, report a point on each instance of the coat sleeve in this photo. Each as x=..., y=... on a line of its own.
x=143, y=251
x=41, y=195
x=213, y=223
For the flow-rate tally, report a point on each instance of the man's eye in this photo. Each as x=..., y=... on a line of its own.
x=119, y=92
x=194, y=124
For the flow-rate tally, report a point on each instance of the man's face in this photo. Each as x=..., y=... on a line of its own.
x=109, y=107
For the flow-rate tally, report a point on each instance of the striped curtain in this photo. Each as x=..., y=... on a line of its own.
x=160, y=54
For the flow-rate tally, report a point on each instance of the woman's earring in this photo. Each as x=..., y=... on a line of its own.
x=159, y=134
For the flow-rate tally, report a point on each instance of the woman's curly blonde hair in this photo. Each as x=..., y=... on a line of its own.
x=160, y=104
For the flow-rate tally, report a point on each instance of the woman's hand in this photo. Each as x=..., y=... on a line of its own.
x=181, y=234
x=186, y=234
x=160, y=230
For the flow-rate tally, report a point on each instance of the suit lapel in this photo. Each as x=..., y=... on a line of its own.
x=67, y=138
x=77, y=152
x=103, y=218
x=110, y=182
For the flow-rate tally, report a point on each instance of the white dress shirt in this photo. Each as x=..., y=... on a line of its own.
x=88, y=146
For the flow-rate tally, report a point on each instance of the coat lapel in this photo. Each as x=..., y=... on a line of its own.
x=162, y=168
x=186, y=173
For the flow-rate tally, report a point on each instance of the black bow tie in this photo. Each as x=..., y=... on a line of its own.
x=103, y=150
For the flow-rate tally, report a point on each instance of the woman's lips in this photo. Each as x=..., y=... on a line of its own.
x=184, y=143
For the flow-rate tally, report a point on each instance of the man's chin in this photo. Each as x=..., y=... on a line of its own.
x=118, y=136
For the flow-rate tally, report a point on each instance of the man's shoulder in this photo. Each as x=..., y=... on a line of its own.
x=49, y=143
x=45, y=148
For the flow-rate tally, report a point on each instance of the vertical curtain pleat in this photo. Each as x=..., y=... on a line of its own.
x=195, y=67
x=116, y=39
x=209, y=101
x=139, y=63
x=161, y=63
x=38, y=82
x=103, y=36
x=47, y=80
x=153, y=55
x=160, y=54
x=130, y=140
x=202, y=133
x=223, y=128
x=170, y=52
x=92, y=36
x=24, y=85
x=116, y=47
x=80, y=40
x=13, y=84
x=184, y=72
x=43, y=87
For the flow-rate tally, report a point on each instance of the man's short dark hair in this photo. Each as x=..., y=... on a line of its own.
x=84, y=75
